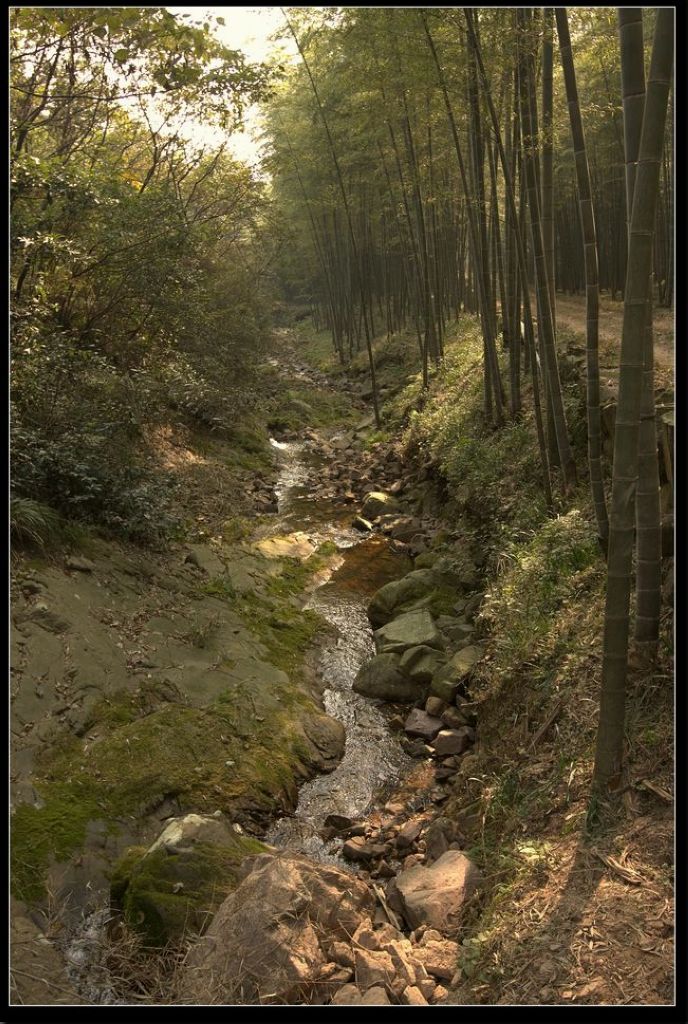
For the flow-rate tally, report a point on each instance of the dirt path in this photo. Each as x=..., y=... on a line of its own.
x=571, y=314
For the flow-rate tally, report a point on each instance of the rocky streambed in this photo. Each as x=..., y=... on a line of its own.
x=360, y=898
x=392, y=673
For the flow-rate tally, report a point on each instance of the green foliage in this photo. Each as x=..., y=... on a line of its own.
x=33, y=523
x=125, y=314
x=220, y=587
x=540, y=576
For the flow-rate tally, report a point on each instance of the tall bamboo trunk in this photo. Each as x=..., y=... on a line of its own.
x=352, y=236
x=520, y=249
x=548, y=154
x=549, y=354
x=587, y=219
x=492, y=365
x=647, y=509
x=610, y=733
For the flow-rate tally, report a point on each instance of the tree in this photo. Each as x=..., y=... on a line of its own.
x=610, y=733
x=587, y=219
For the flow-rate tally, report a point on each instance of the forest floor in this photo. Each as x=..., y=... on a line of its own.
x=568, y=914
x=571, y=314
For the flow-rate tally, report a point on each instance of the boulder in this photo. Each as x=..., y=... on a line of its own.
x=459, y=573
x=421, y=724
x=413, y=629
x=291, y=545
x=393, y=598
x=435, y=895
x=182, y=878
x=409, y=833
x=421, y=663
x=327, y=738
x=449, y=679
x=381, y=678
x=376, y=503
x=265, y=943
x=76, y=563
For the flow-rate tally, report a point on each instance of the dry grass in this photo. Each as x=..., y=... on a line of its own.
x=574, y=911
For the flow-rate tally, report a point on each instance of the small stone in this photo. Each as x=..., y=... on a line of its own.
x=423, y=725
x=438, y=955
x=435, y=707
x=375, y=996
x=78, y=564
x=362, y=525
x=342, y=954
x=357, y=849
x=409, y=833
x=453, y=719
x=339, y=822
x=412, y=996
x=452, y=741
x=427, y=986
x=440, y=994
x=346, y=996
x=372, y=968
x=365, y=937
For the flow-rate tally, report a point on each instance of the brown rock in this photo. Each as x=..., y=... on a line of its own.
x=452, y=718
x=452, y=741
x=372, y=968
x=342, y=954
x=357, y=849
x=427, y=986
x=435, y=894
x=265, y=940
x=440, y=994
x=346, y=996
x=435, y=707
x=405, y=971
x=365, y=937
x=409, y=833
x=413, y=996
x=375, y=996
x=438, y=956
x=422, y=725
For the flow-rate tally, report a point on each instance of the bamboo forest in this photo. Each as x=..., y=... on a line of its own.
x=342, y=508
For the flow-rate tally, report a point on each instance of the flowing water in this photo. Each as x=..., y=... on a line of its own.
x=373, y=759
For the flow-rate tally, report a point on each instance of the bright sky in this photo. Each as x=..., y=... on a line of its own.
x=247, y=29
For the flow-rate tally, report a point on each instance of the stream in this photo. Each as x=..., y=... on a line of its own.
x=373, y=759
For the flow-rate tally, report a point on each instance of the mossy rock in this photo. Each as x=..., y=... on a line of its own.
x=165, y=893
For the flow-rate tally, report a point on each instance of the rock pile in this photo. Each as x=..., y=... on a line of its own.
x=299, y=932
